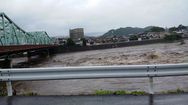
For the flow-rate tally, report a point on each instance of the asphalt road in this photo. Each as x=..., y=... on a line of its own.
x=180, y=99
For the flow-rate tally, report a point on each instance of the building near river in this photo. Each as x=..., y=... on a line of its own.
x=76, y=34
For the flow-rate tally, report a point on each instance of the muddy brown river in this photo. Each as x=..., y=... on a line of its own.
x=145, y=54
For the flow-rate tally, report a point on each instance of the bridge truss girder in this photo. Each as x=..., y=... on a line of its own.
x=12, y=34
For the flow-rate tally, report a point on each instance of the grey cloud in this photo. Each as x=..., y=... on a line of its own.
x=58, y=16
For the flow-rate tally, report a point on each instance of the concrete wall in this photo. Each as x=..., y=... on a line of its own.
x=65, y=49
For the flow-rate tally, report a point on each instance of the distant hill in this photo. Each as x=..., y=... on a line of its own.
x=94, y=34
x=148, y=28
x=126, y=31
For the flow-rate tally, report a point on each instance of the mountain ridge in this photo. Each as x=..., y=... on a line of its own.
x=126, y=31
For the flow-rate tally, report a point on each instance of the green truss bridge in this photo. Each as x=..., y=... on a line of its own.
x=14, y=39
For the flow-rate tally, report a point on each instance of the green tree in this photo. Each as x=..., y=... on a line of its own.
x=173, y=36
x=70, y=42
x=157, y=29
x=133, y=37
x=172, y=29
x=181, y=27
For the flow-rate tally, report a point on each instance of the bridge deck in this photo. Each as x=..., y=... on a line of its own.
x=21, y=48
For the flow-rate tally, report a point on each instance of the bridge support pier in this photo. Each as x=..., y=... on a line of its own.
x=28, y=57
x=6, y=63
x=45, y=54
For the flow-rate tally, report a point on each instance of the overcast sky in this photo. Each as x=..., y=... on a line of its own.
x=58, y=16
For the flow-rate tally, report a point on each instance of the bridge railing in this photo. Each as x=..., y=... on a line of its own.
x=93, y=72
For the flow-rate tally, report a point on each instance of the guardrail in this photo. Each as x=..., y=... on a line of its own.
x=93, y=72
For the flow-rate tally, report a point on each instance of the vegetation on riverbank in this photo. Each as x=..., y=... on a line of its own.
x=119, y=92
x=177, y=91
x=3, y=89
x=137, y=93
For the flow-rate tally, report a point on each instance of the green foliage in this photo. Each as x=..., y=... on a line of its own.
x=135, y=30
x=70, y=42
x=124, y=31
x=119, y=92
x=157, y=29
x=177, y=91
x=172, y=29
x=104, y=92
x=181, y=27
x=133, y=37
x=3, y=89
x=173, y=37
x=138, y=93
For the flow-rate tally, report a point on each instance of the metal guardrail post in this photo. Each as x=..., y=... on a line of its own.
x=151, y=91
x=9, y=88
x=8, y=83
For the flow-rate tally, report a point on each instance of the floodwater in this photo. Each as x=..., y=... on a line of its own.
x=145, y=54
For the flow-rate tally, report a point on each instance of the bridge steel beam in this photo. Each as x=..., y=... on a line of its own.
x=1, y=29
x=3, y=26
x=12, y=34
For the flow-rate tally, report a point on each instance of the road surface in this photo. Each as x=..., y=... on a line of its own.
x=175, y=99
